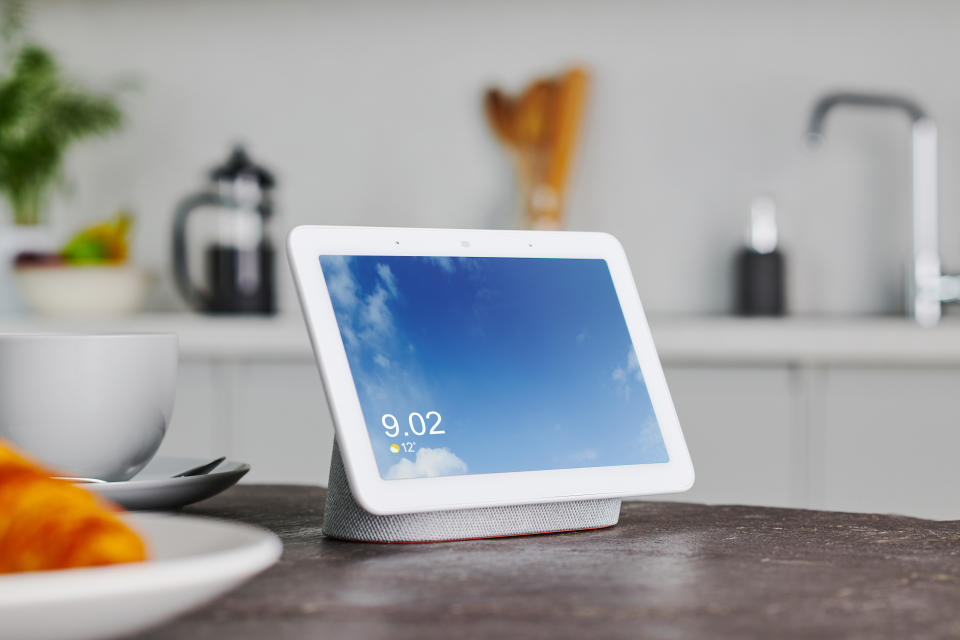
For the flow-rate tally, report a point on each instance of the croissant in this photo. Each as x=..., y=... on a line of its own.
x=51, y=524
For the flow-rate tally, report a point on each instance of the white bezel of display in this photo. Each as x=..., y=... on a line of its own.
x=306, y=244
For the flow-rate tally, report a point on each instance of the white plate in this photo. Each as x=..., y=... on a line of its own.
x=155, y=489
x=193, y=561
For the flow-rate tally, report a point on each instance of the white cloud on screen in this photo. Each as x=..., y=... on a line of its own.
x=389, y=280
x=349, y=335
x=586, y=455
x=360, y=318
x=375, y=316
x=340, y=281
x=382, y=358
x=443, y=262
x=428, y=464
x=624, y=375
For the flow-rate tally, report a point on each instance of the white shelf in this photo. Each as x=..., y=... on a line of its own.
x=679, y=339
x=200, y=336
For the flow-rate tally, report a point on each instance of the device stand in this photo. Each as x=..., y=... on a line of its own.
x=343, y=518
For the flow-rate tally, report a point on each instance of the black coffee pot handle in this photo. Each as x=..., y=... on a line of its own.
x=181, y=272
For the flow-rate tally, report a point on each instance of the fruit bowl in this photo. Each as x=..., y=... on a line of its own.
x=83, y=290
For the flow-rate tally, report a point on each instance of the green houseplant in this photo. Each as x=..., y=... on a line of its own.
x=42, y=114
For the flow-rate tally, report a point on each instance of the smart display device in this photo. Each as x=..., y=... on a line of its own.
x=470, y=370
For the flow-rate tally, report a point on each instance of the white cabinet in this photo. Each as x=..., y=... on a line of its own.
x=282, y=425
x=889, y=442
x=851, y=414
x=198, y=428
x=743, y=432
x=875, y=438
x=270, y=414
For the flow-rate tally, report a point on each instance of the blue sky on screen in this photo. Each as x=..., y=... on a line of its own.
x=527, y=361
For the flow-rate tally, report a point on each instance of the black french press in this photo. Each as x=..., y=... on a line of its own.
x=229, y=223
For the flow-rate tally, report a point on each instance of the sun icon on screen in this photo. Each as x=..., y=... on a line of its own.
x=394, y=448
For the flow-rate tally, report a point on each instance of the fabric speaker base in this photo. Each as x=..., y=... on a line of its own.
x=344, y=519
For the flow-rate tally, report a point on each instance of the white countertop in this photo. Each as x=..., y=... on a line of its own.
x=679, y=339
x=806, y=341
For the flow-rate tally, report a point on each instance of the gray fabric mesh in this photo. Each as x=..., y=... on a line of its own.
x=343, y=518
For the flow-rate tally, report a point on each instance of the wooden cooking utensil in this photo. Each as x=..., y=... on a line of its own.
x=539, y=127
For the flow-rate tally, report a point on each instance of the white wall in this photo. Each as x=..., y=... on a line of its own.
x=369, y=112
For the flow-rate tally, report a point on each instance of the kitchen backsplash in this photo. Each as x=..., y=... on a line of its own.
x=370, y=113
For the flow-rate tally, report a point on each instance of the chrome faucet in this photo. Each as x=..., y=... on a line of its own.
x=927, y=287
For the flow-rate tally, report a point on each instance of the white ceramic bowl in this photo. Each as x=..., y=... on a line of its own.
x=83, y=290
x=92, y=406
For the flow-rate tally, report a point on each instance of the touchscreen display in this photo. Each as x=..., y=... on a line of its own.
x=491, y=365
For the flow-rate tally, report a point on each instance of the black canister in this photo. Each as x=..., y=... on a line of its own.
x=760, y=283
x=760, y=268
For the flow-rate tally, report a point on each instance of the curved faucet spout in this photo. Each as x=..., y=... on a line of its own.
x=927, y=288
x=842, y=98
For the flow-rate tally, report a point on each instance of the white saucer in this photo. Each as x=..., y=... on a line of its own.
x=153, y=489
x=193, y=561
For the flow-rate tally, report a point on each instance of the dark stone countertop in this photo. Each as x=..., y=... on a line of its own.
x=668, y=570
